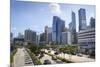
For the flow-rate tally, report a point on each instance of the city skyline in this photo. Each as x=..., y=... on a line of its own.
x=24, y=13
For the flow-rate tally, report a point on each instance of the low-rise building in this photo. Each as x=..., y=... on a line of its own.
x=86, y=40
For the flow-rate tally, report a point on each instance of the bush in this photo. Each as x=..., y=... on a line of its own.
x=54, y=58
x=64, y=60
x=12, y=56
x=35, y=60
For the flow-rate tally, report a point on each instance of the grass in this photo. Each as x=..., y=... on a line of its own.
x=35, y=60
x=12, y=56
x=62, y=59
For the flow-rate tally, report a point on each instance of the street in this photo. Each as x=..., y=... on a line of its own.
x=47, y=57
x=22, y=58
x=73, y=58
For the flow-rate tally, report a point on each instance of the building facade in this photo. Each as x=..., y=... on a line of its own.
x=30, y=36
x=72, y=28
x=58, y=28
x=86, y=40
x=42, y=38
x=92, y=22
x=49, y=35
x=82, y=19
x=66, y=37
x=19, y=41
x=46, y=34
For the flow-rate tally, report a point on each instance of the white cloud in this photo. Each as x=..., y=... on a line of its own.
x=55, y=9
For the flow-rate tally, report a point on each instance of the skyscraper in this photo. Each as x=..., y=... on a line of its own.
x=72, y=28
x=58, y=28
x=46, y=34
x=30, y=36
x=42, y=38
x=49, y=35
x=82, y=19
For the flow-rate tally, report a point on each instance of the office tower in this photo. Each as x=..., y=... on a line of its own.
x=30, y=36
x=42, y=38
x=72, y=28
x=66, y=37
x=49, y=29
x=92, y=22
x=82, y=19
x=20, y=35
x=46, y=34
x=58, y=28
x=49, y=35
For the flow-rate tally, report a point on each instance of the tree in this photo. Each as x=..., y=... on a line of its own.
x=70, y=49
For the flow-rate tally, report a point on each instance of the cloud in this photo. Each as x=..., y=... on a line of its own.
x=55, y=9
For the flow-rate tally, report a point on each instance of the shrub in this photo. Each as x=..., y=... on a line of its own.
x=35, y=60
x=12, y=56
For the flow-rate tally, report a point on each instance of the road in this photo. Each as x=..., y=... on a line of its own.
x=73, y=58
x=47, y=57
x=20, y=58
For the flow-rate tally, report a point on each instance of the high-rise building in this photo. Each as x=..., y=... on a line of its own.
x=42, y=38
x=30, y=36
x=58, y=28
x=46, y=34
x=49, y=29
x=72, y=28
x=49, y=35
x=92, y=22
x=82, y=19
x=66, y=37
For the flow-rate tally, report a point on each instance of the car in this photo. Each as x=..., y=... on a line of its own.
x=56, y=53
x=59, y=62
x=28, y=62
x=47, y=62
x=79, y=54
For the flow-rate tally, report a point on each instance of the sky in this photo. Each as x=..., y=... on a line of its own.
x=36, y=15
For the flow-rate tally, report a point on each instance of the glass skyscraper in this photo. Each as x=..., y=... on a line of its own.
x=58, y=28
x=82, y=19
x=72, y=28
